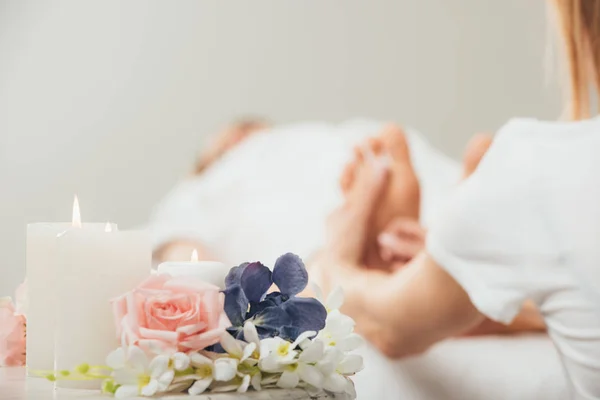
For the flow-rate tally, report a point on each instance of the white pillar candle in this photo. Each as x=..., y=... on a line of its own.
x=95, y=267
x=41, y=272
x=208, y=271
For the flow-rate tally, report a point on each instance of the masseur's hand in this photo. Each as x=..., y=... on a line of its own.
x=401, y=241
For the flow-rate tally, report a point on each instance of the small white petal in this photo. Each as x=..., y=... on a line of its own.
x=245, y=383
x=335, y=299
x=231, y=345
x=116, y=359
x=338, y=324
x=198, y=360
x=335, y=383
x=150, y=389
x=199, y=386
x=288, y=380
x=256, y=381
x=351, y=342
x=313, y=353
x=248, y=350
x=181, y=361
x=226, y=388
x=317, y=291
x=302, y=337
x=268, y=345
x=350, y=389
x=158, y=366
x=165, y=380
x=270, y=364
x=225, y=369
x=125, y=376
x=137, y=359
x=127, y=391
x=250, y=333
x=330, y=361
x=351, y=364
x=270, y=380
x=311, y=375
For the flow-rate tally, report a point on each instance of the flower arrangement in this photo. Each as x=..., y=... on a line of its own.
x=184, y=336
x=13, y=329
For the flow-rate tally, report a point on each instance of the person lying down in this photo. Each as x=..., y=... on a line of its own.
x=261, y=191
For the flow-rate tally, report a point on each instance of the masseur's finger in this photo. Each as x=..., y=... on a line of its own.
x=398, y=247
x=406, y=227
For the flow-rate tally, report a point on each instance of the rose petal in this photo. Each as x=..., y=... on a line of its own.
x=192, y=329
x=203, y=340
x=170, y=337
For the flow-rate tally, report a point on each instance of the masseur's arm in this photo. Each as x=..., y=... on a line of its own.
x=404, y=312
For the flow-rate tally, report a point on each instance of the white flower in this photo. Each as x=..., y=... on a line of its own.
x=304, y=369
x=336, y=366
x=137, y=375
x=339, y=332
x=203, y=376
x=276, y=353
x=244, y=352
x=181, y=361
x=334, y=300
x=222, y=369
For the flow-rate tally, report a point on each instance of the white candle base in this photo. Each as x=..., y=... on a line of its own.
x=95, y=268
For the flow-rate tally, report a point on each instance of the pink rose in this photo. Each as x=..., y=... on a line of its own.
x=167, y=313
x=12, y=335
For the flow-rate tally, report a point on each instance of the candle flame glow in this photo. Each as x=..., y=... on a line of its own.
x=76, y=213
x=108, y=228
x=194, y=255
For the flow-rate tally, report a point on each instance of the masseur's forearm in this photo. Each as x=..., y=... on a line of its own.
x=407, y=311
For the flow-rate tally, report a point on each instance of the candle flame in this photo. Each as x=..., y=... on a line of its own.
x=194, y=255
x=108, y=228
x=76, y=213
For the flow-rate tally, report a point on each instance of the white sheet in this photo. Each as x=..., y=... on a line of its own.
x=523, y=367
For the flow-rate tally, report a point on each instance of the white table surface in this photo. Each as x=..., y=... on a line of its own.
x=14, y=385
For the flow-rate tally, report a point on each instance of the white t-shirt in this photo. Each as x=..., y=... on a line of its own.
x=526, y=225
x=272, y=193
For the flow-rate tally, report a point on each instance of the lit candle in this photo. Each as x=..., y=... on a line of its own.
x=42, y=272
x=94, y=267
x=208, y=271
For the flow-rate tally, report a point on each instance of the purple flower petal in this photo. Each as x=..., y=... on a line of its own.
x=235, y=275
x=305, y=314
x=236, y=305
x=271, y=320
x=290, y=275
x=255, y=281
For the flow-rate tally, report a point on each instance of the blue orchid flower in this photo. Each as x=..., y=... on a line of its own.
x=275, y=314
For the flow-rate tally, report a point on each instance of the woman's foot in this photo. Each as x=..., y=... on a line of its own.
x=399, y=199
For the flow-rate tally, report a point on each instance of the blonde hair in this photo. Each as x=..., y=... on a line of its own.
x=579, y=23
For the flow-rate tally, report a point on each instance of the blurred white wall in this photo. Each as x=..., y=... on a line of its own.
x=112, y=99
